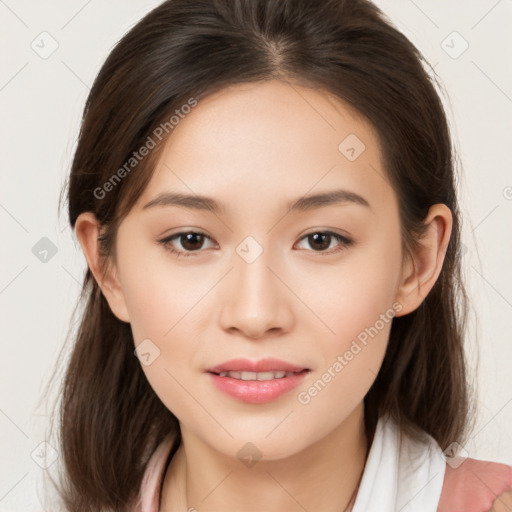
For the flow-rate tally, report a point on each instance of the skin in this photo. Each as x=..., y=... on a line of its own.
x=254, y=147
x=503, y=503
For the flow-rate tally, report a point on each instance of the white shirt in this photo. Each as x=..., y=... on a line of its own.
x=400, y=475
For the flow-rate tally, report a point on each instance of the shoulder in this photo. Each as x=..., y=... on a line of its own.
x=474, y=485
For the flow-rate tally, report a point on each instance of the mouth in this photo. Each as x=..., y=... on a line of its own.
x=246, y=369
x=259, y=376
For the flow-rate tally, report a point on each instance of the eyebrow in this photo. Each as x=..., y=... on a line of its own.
x=311, y=202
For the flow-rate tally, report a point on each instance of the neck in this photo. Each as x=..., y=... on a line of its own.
x=324, y=476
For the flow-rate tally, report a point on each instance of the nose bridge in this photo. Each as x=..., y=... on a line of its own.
x=256, y=301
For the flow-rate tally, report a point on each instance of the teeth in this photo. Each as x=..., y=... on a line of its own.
x=256, y=375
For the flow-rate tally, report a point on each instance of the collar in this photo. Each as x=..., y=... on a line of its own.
x=400, y=473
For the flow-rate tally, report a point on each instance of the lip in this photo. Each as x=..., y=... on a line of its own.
x=257, y=391
x=268, y=364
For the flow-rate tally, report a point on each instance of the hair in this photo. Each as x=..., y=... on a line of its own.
x=110, y=419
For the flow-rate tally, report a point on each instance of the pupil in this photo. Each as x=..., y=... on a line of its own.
x=190, y=238
x=317, y=236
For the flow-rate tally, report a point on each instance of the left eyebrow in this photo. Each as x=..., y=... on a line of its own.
x=326, y=199
x=314, y=201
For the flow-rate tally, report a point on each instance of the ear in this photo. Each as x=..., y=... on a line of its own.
x=87, y=231
x=422, y=267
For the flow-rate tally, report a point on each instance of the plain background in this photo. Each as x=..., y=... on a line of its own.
x=41, y=102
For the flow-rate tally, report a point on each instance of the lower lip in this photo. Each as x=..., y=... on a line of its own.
x=257, y=391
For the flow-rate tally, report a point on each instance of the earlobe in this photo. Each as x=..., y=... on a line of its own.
x=422, y=266
x=87, y=231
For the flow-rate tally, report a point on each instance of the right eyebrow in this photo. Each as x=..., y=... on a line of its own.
x=196, y=202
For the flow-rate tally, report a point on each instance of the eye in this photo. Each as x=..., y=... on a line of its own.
x=321, y=240
x=191, y=241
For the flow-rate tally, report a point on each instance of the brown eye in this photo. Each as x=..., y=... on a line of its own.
x=190, y=242
x=320, y=241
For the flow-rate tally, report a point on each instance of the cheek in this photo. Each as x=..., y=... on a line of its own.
x=162, y=304
x=158, y=293
x=352, y=296
x=356, y=303
x=165, y=306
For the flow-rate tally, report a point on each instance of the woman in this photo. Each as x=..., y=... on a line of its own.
x=264, y=193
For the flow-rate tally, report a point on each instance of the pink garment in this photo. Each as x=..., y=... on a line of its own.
x=471, y=487
x=150, y=489
x=474, y=485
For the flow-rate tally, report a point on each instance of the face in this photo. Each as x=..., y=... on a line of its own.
x=314, y=285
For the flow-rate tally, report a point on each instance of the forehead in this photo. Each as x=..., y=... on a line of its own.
x=265, y=142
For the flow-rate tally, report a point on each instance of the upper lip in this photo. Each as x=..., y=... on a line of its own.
x=263, y=365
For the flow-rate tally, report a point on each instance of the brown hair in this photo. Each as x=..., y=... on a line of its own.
x=110, y=419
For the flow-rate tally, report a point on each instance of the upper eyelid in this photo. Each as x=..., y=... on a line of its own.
x=199, y=232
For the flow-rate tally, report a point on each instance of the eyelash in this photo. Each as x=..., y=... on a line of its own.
x=344, y=243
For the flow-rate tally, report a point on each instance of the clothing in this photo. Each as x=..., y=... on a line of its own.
x=399, y=474
x=410, y=476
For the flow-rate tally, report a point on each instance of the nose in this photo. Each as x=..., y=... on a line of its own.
x=255, y=301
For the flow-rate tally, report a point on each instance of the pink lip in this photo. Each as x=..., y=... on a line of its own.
x=257, y=391
x=263, y=365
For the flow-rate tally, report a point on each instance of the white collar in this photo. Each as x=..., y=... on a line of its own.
x=400, y=474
